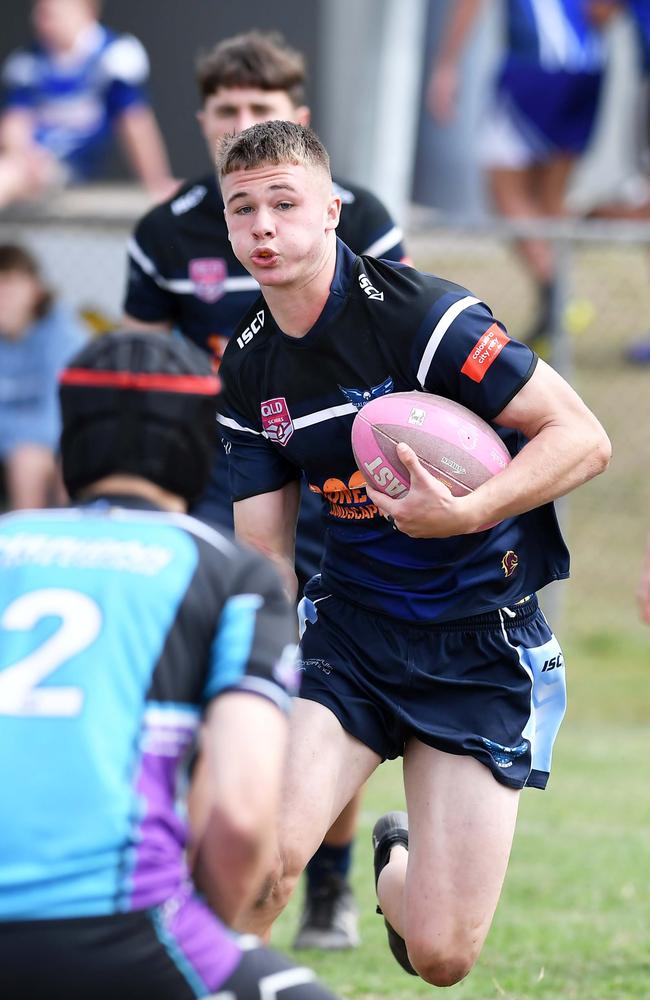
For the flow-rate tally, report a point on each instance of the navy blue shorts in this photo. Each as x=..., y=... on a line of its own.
x=491, y=686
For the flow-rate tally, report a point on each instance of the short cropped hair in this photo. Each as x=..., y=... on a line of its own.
x=257, y=59
x=271, y=143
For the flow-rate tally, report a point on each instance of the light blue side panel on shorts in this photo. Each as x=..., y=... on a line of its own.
x=545, y=666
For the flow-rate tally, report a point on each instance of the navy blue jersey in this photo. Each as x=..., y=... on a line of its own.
x=288, y=406
x=75, y=102
x=117, y=626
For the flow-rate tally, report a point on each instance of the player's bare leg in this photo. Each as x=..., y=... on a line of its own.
x=325, y=768
x=329, y=918
x=553, y=180
x=441, y=895
x=515, y=196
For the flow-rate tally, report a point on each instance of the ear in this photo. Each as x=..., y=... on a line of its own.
x=200, y=117
x=302, y=115
x=333, y=213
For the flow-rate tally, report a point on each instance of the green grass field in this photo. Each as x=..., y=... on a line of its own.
x=574, y=918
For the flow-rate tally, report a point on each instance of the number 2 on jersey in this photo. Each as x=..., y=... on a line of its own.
x=80, y=624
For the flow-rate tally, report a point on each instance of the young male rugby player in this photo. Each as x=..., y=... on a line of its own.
x=425, y=641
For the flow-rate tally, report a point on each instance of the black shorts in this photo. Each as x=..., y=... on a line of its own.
x=490, y=686
x=122, y=957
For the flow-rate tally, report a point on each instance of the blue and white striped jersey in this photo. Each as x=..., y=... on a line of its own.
x=75, y=102
x=554, y=34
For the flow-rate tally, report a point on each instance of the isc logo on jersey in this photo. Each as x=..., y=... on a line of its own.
x=367, y=286
x=247, y=335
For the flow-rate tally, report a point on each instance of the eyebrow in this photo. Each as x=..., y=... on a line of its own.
x=272, y=187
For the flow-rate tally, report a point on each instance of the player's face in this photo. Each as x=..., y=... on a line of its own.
x=59, y=22
x=279, y=218
x=232, y=109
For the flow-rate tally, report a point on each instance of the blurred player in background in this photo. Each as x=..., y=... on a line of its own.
x=66, y=95
x=123, y=623
x=424, y=642
x=183, y=275
x=37, y=336
x=541, y=119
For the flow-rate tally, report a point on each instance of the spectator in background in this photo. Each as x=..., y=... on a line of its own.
x=37, y=336
x=64, y=97
x=183, y=274
x=541, y=119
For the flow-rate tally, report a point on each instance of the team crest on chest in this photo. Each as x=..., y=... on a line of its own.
x=276, y=420
x=208, y=275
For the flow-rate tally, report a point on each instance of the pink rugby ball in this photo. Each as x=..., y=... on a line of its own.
x=453, y=444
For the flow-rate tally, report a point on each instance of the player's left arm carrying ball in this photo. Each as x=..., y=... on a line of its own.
x=566, y=447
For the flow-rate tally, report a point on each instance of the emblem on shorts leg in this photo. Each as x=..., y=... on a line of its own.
x=510, y=562
x=315, y=663
x=504, y=756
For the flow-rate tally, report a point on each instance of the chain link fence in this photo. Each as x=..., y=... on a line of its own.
x=602, y=304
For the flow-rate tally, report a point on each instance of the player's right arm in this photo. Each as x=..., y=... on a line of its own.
x=264, y=485
x=267, y=522
x=236, y=785
x=235, y=800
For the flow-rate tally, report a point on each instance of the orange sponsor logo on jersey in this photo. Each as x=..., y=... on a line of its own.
x=487, y=349
x=348, y=501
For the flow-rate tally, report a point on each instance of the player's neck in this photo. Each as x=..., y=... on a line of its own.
x=136, y=486
x=295, y=308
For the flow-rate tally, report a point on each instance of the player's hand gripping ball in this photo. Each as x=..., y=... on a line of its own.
x=456, y=446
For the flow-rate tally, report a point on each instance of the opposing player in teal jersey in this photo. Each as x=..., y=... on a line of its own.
x=126, y=625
